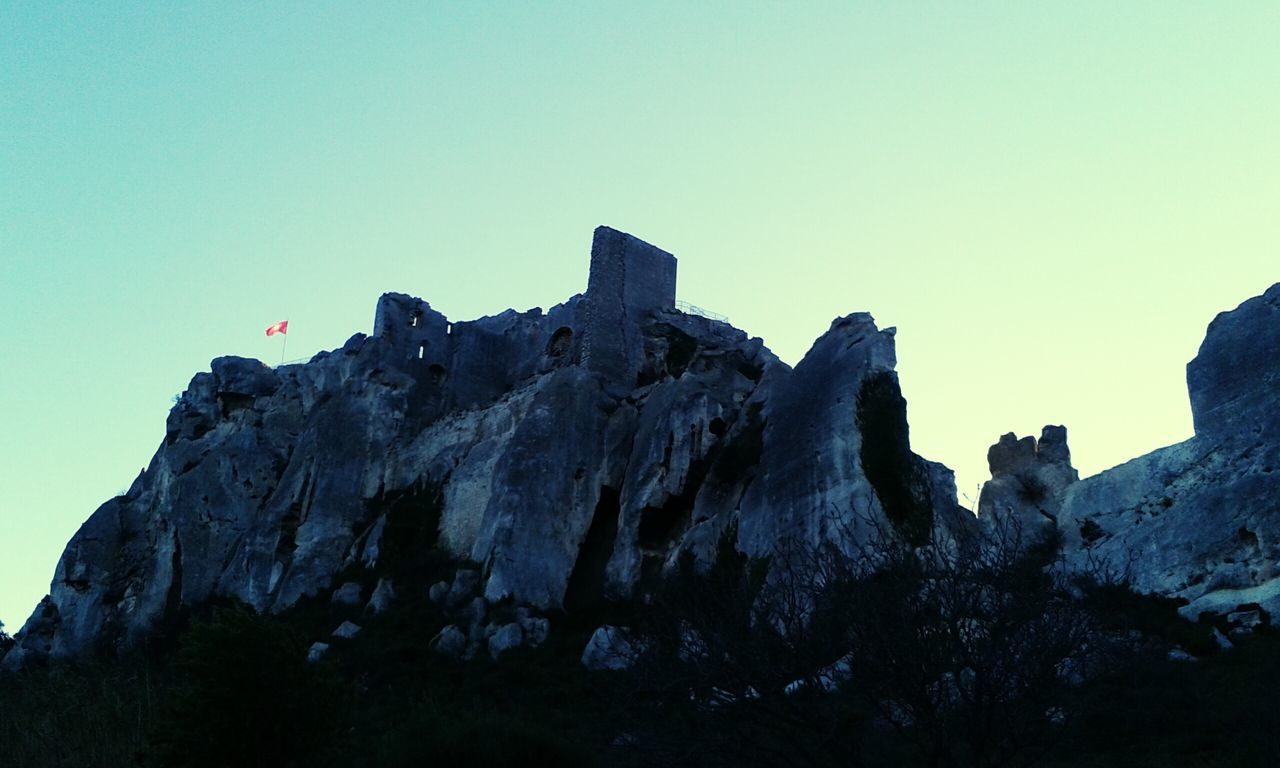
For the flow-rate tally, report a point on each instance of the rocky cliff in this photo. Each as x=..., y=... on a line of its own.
x=1198, y=521
x=576, y=454
x=565, y=457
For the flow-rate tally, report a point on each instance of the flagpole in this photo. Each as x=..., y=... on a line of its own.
x=283, y=343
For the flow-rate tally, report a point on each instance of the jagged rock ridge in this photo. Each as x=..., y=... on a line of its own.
x=1198, y=521
x=577, y=453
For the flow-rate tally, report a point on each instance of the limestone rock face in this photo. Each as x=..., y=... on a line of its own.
x=571, y=455
x=1200, y=520
x=835, y=454
x=1028, y=479
x=1234, y=381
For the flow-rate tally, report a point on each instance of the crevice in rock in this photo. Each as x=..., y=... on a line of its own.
x=286, y=543
x=586, y=582
x=233, y=402
x=173, y=598
x=661, y=526
x=896, y=474
x=739, y=457
x=681, y=349
x=407, y=548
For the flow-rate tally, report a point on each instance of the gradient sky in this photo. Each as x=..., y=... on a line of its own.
x=1049, y=203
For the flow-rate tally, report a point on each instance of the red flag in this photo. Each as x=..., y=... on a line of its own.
x=280, y=327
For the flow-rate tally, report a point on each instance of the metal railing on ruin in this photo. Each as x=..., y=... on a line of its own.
x=694, y=309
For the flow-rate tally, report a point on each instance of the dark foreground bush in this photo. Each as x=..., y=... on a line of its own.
x=77, y=716
x=243, y=694
x=957, y=652
x=1218, y=711
x=927, y=660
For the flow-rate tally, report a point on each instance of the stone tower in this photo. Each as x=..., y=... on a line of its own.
x=629, y=280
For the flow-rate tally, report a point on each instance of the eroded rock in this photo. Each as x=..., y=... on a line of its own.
x=384, y=595
x=610, y=648
x=571, y=455
x=450, y=641
x=504, y=639
x=347, y=594
x=1200, y=520
x=1028, y=480
x=347, y=630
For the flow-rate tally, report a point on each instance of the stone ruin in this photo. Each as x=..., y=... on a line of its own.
x=570, y=456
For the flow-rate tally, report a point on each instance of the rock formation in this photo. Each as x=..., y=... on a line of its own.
x=570, y=456
x=1028, y=478
x=567, y=457
x=1200, y=520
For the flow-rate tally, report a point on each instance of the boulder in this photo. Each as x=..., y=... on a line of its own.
x=438, y=592
x=610, y=648
x=475, y=613
x=505, y=638
x=1245, y=622
x=317, y=651
x=536, y=629
x=450, y=641
x=465, y=583
x=347, y=594
x=384, y=594
x=347, y=630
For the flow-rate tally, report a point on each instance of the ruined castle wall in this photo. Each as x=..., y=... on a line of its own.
x=629, y=279
x=416, y=331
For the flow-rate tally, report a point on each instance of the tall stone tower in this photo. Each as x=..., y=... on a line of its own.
x=629, y=280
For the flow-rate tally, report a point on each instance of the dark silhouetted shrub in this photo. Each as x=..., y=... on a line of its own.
x=244, y=695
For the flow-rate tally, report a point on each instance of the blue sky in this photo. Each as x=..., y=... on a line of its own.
x=1049, y=203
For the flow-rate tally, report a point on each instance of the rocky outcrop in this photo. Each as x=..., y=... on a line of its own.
x=1234, y=381
x=1200, y=520
x=835, y=453
x=568, y=456
x=1028, y=480
x=610, y=648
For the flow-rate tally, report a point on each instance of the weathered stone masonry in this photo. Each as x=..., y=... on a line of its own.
x=629, y=279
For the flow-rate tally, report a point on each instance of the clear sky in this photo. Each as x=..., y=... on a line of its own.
x=1050, y=203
